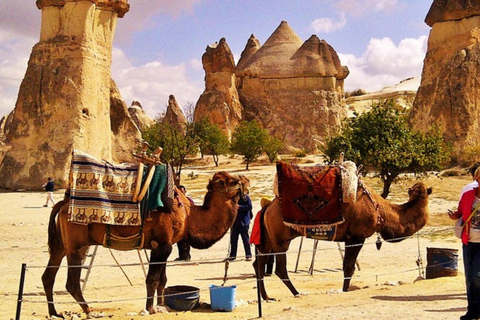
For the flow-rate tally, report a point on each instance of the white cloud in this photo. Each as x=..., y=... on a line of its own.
x=360, y=7
x=152, y=83
x=384, y=63
x=14, y=54
x=327, y=25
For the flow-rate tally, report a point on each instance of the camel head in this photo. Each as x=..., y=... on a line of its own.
x=419, y=192
x=225, y=184
x=408, y=218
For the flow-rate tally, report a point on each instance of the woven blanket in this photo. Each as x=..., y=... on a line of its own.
x=102, y=192
x=310, y=196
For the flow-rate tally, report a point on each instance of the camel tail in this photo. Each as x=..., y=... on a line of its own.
x=52, y=227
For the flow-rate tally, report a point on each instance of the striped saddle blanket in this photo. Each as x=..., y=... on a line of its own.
x=101, y=192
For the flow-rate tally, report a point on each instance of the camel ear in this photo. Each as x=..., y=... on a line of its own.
x=429, y=190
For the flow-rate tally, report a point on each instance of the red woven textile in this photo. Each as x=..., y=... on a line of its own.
x=310, y=196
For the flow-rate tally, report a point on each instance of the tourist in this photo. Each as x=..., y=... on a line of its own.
x=183, y=245
x=468, y=210
x=474, y=183
x=240, y=228
x=49, y=186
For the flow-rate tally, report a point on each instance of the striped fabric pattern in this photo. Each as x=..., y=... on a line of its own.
x=101, y=192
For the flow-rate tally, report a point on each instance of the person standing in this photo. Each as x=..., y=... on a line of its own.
x=49, y=187
x=183, y=245
x=469, y=211
x=474, y=183
x=240, y=228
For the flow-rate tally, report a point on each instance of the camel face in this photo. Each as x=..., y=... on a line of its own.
x=419, y=191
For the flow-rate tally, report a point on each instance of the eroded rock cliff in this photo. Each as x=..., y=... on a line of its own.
x=67, y=99
x=449, y=93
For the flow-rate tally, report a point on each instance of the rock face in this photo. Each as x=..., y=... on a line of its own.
x=294, y=88
x=449, y=93
x=402, y=94
x=139, y=116
x=67, y=99
x=219, y=102
x=174, y=114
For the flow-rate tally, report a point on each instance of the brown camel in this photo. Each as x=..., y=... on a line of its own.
x=201, y=225
x=369, y=214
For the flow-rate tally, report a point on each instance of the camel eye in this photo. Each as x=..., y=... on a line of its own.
x=221, y=182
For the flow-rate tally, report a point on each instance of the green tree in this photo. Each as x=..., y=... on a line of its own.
x=249, y=140
x=382, y=141
x=211, y=140
x=177, y=142
x=272, y=148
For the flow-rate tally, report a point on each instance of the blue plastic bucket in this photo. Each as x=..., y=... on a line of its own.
x=182, y=298
x=441, y=263
x=222, y=298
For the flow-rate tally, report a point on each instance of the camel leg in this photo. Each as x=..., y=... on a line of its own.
x=48, y=278
x=352, y=249
x=282, y=273
x=73, y=278
x=157, y=276
x=259, y=267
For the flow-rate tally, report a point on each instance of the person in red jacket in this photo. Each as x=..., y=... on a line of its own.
x=469, y=211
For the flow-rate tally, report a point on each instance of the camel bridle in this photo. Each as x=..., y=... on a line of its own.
x=377, y=206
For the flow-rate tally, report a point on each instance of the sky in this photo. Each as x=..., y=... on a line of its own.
x=159, y=44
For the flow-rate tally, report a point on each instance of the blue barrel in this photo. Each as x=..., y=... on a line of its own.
x=441, y=262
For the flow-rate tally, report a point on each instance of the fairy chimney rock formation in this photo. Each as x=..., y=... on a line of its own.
x=174, y=115
x=294, y=88
x=219, y=102
x=251, y=48
x=139, y=116
x=67, y=99
x=449, y=93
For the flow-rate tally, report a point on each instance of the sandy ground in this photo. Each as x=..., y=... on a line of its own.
x=387, y=286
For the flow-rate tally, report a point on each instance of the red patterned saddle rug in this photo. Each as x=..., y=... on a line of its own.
x=310, y=196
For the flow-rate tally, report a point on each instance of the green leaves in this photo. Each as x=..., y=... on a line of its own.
x=382, y=141
x=249, y=140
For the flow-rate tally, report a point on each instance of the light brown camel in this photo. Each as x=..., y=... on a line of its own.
x=202, y=226
x=369, y=214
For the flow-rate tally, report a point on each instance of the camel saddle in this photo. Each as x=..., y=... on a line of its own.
x=101, y=192
x=310, y=196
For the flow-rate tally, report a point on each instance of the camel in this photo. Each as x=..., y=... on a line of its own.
x=202, y=225
x=369, y=214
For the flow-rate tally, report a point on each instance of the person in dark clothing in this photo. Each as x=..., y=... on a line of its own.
x=49, y=187
x=240, y=228
x=183, y=245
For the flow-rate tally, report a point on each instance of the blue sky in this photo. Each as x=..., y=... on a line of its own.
x=159, y=44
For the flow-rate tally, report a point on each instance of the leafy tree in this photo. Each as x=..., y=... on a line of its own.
x=211, y=140
x=249, y=140
x=272, y=148
x=177, y=142
x=382, y=141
